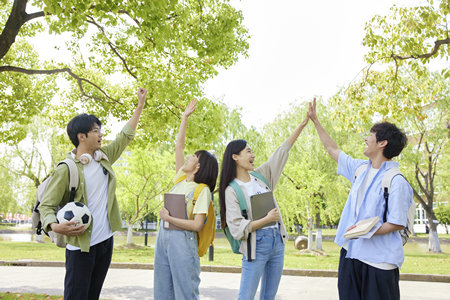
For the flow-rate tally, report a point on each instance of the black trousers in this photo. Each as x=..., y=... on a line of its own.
x=359, y=281
x=86, y=271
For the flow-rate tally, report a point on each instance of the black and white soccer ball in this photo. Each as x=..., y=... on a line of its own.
x=75, y=211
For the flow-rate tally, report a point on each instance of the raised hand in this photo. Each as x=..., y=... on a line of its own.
x=190, y=108
x=312, y=110
x=142, y=93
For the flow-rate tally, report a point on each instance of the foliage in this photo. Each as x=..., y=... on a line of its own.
x=143, y=174
x=7, y=183
x=410, y=36
x=443, y=214
x=309, y=187
x=105, y=50
x=31, y=161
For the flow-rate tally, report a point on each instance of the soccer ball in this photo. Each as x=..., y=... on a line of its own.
x=75, y=211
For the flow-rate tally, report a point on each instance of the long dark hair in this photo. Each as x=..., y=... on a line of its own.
x=209, y=169
x=228, y=174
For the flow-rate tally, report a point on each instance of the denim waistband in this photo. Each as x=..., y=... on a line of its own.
x=269, y=231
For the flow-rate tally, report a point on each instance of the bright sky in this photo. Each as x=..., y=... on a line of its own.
x=298, y=49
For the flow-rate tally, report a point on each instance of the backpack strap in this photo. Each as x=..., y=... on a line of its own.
x=260, y=177
x=244, y=211
x=386, y=186
x=73, y=177
x=360, y=170
x=198, y=189
x=241, y=198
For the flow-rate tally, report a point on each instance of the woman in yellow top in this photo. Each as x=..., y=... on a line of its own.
x=177, y=265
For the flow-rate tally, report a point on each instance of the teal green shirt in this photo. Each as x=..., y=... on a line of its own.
x=57, y=192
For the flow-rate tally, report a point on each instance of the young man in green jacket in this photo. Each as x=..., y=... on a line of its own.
x=89, y=251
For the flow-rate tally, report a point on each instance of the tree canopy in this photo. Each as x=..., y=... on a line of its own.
x=106, y=49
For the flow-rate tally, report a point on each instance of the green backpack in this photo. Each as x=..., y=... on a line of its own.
x=236, y=244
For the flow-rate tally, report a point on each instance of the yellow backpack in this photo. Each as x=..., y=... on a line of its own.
x=205, y=237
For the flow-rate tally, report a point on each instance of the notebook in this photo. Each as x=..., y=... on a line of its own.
x=261, y=205
x=362, y=227
x=175, y=204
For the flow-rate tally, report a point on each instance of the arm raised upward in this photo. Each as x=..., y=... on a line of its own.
x=181, y=137
x=329, y=144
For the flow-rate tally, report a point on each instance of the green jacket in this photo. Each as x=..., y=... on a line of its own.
x=58, y=190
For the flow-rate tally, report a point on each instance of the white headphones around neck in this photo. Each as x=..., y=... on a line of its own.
x=86, y=158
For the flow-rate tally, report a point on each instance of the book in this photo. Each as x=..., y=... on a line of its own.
x=175, y=204
x=362, y=227
x=261, y=205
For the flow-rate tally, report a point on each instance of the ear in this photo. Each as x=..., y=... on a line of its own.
x=234, y=156
x=382, y=144
x=81, y=137
x=196, y=169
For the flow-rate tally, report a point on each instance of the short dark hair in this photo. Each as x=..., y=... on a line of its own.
x=81, y=124
x=208, y=171
x=396, y=139
x=228, y=174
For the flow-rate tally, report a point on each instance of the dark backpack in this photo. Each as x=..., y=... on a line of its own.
x=236, y=244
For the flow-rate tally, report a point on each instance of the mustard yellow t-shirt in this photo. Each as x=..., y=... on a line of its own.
x=187, y=189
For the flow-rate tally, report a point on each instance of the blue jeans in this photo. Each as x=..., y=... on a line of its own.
x=268, y=264
x=177, y=265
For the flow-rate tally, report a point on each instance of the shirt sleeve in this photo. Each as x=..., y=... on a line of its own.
x=273, y=168
x=399, y=202
x=239, y=226
x=116, y=147
x=57, y=190
x=347, y=166
x=202, y=203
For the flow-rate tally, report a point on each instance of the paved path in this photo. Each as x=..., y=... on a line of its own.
x=138, y=284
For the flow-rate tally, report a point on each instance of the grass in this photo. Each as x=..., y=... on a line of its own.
x=417, y=258
x=10, y=296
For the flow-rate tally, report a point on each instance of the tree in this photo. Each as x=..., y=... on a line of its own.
x=443, y=215
x=7, y=183
x=107, y=49
x=409, y=37
x=419, y=106
x=404, y=43
x=309, y=190
x=33, y=159
x=143, y=175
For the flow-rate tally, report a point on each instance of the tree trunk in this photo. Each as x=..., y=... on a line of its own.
x=310, y=235
x=318, y=233
x=310, y=229
x=130, y=234
x=433, y=239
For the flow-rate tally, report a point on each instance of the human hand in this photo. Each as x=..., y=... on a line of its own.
x=350, y=228
x=164, y=214
x=312, y=113
x=305, y=121
x=142, y=93
x=273, y=215
x=68, y=228
x=190, y=108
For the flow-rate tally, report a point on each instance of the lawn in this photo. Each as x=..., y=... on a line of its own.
x=417, y=258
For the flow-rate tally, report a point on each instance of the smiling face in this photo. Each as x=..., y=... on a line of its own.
x=245, y=159
x=191, y=165
x=373, y=148
x=93, y=140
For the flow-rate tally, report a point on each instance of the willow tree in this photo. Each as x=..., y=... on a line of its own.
x=105, y=50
